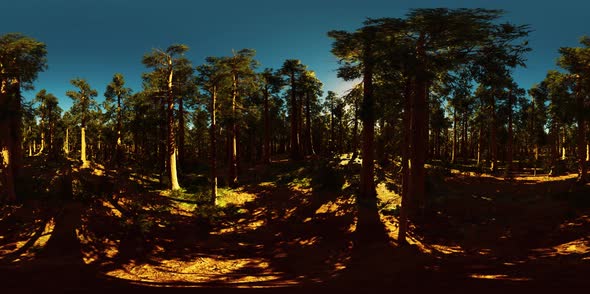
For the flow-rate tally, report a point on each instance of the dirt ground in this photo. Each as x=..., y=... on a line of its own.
x=478, y=233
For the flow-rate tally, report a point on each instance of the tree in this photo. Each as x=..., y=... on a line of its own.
x=271, y=83
x=292, y=69
x=165, y=63
x=209, y=78
x=21, y=59
x=240, y=68
x=83, y=103
x=577, y=62
x=311, y=87
x=50, y=113
x=116, y=90
x=357, y=58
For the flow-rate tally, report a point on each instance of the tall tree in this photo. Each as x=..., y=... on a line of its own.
x=292, y=69
x=271, y=83
x=21, y=59
x=116, y=90
x=357, y=58
x=209, y=78
x=577, y=62
x=50, y=113
x=165, y=64
x=83, y=104
x=311, y=87
x=240, y=68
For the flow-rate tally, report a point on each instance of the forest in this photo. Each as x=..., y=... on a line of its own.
x=435, y=170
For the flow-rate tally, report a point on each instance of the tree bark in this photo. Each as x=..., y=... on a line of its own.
x=181, y=135
x=563, y=144
x=308, y=141
x=171, y=140
x=493, y=143
x=119, y=150
x=266, y=149
x=367, y=184
x=355, y=138
x=83, y=146
x=407, y=119
x=581, y=136
x=295, y=142
x=213, y=147
x=233, y=148
x=419, y=133
x=510, y=139
x=454, y=150
x=67, y=142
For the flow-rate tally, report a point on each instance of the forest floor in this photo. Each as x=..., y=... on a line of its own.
x=291, y=227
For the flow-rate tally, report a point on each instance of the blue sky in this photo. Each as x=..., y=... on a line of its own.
x=94, y=39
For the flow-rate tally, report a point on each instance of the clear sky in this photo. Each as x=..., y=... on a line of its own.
x=94, y=39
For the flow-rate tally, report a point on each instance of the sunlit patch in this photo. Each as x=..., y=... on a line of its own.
x=579, y=246
x=335, y=207
x=242, y=226
x=308, y=242
x=447, y=249
x=112, y=208
x=238, y=197
x=498, y=277
x=352, y=227
x=289, y=212
x=200, y=270
x=97, y=172
x=267, y=184
x=579, y=222
x=108, y=248
x=42, y=241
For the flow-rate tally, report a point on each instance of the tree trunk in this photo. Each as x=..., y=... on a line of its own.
x=266, y=149
x=295, y=143
x=355, y=138
x=308, y=140
x=367, y=184
x=67, y=142
x=15, y=127
x=233, y=148
x=419, y=134
x=510, y=139
x=213, y=147
x=332, y=129
x=493, y=143
x=464, y=141
x=83, y=146
x=454, y=150
x=554, y=136
x=171, y=140
x=119, y=151
x=181, y=130
x=7, y=180
x=581, y=136
x=563, y=144
x=407, y=119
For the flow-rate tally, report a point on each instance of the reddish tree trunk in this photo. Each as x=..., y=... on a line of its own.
x=419, y=133
x=367, y=184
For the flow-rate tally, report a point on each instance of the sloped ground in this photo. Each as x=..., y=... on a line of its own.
x=300, y=229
